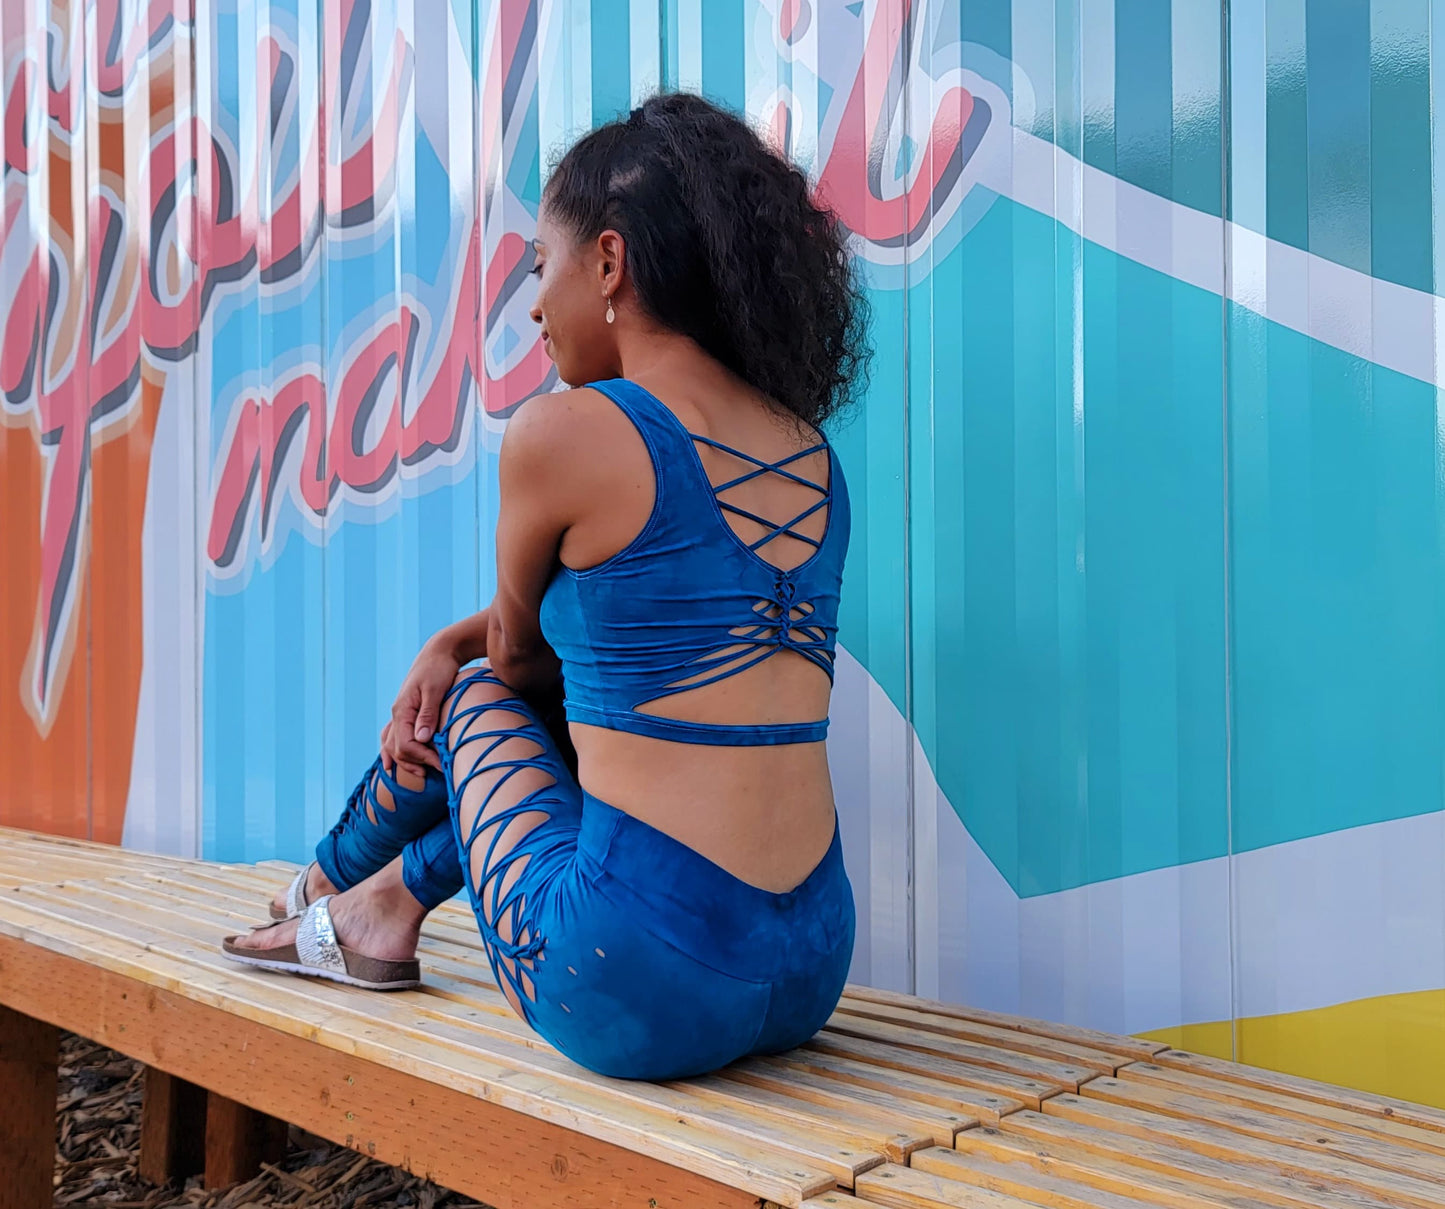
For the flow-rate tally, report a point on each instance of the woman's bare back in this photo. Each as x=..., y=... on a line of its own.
x=763, y=813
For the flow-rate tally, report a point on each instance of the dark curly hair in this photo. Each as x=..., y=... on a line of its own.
x=725, y=244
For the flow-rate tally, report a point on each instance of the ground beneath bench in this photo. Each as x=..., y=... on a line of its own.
x=100, y=1108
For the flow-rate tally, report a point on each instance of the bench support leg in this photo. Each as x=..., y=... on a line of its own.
x=29, y=1055
x=172, y=1128
x=238, y=1141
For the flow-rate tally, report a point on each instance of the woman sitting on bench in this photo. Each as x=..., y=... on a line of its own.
x=670, y=895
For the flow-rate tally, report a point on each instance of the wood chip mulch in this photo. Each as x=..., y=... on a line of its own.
x=100, y=1106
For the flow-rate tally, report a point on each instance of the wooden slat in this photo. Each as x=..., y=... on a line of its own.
x=1065, y=1076
x=1294, y=1107
x=887, y=1131
x=250, y=897
x=907, y=1188
x=985, y=1034
x=1056, y=1174
x=809, y=1068
x=1029, y=1091
x=839, y=1200
x=1105, y=1150
x=1254, y=1123
x=1218, y=1142
x=29, y=1053
x=1405, y=1111
x=438, y=946
x=934, y=1124
x=1113, y=1043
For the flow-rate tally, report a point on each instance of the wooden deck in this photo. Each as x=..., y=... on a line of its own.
x=898, y=1102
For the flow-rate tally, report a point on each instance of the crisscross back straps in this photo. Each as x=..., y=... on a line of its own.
x=780, y=468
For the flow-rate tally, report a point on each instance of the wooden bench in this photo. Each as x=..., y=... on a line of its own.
x=898, y=1102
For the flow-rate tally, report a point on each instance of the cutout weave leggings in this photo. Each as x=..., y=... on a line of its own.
x=631, y=953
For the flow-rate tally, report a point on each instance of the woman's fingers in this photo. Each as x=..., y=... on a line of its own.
x=388, y=757
x=426, y=714
x=405, y=744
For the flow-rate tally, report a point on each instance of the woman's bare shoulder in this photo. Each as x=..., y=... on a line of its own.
x=567, y=430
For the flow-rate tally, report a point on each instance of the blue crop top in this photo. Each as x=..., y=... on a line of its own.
x=681, y=605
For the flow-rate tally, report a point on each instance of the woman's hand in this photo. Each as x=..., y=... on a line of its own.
x=406, y=739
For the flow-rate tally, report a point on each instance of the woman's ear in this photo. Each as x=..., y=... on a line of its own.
x=613, y=259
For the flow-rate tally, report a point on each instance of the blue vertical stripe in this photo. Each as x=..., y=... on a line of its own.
x=1144, y=95
x=611, y=60
x=1337, y=67
x=1399, y=140
x=667, y=37
x=724, y=70
x=1287, y=194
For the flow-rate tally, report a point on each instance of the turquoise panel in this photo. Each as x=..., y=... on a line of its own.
x=1336, y=545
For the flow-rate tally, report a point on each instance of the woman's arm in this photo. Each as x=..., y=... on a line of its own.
x=542, y=493
x=465, y=640
x=406, y=739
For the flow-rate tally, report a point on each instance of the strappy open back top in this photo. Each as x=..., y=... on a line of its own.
x=689, y=602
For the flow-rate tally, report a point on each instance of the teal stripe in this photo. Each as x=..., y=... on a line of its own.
x=1287, y=192
x=667, y=37
x=1144, y=95
x=1096, y=84
x=1337, y=69
x=1400, y=153
x=1337, y=593
x=869, y=441
x=724, y=78
x=989, y=25
x=1197, y=85
x=611, y=60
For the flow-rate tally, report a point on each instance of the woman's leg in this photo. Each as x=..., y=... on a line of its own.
x=513, y=818
x=384, y=814
x=516, y=808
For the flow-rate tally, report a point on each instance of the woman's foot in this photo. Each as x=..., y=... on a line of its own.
x=379, y=917
x=316, y=884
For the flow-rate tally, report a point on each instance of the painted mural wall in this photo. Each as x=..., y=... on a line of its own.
x=1141, y=715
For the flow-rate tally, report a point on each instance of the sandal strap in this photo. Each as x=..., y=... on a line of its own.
x=296, y=893
x=316, y=942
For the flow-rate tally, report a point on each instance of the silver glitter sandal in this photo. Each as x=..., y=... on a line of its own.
x=295, y=898
x=318, y=954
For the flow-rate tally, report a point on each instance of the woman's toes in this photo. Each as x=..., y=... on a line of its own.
x=274, y=937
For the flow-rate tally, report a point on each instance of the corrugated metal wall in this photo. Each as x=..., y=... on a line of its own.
x=1141, y=720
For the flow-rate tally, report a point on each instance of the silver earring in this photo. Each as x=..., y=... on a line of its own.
x=611, y=314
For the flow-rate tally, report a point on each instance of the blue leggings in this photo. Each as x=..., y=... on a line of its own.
x=630, y=952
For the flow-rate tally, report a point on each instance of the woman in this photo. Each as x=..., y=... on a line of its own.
x=670, y=545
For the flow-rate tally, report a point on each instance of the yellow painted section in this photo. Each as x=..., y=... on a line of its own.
x=1215, y=1039
x=1394, y=1045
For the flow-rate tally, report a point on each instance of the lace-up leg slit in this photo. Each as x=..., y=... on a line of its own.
x=512, y=811
x=385, y=818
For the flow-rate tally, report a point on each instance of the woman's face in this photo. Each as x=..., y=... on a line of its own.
x=572, y=291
